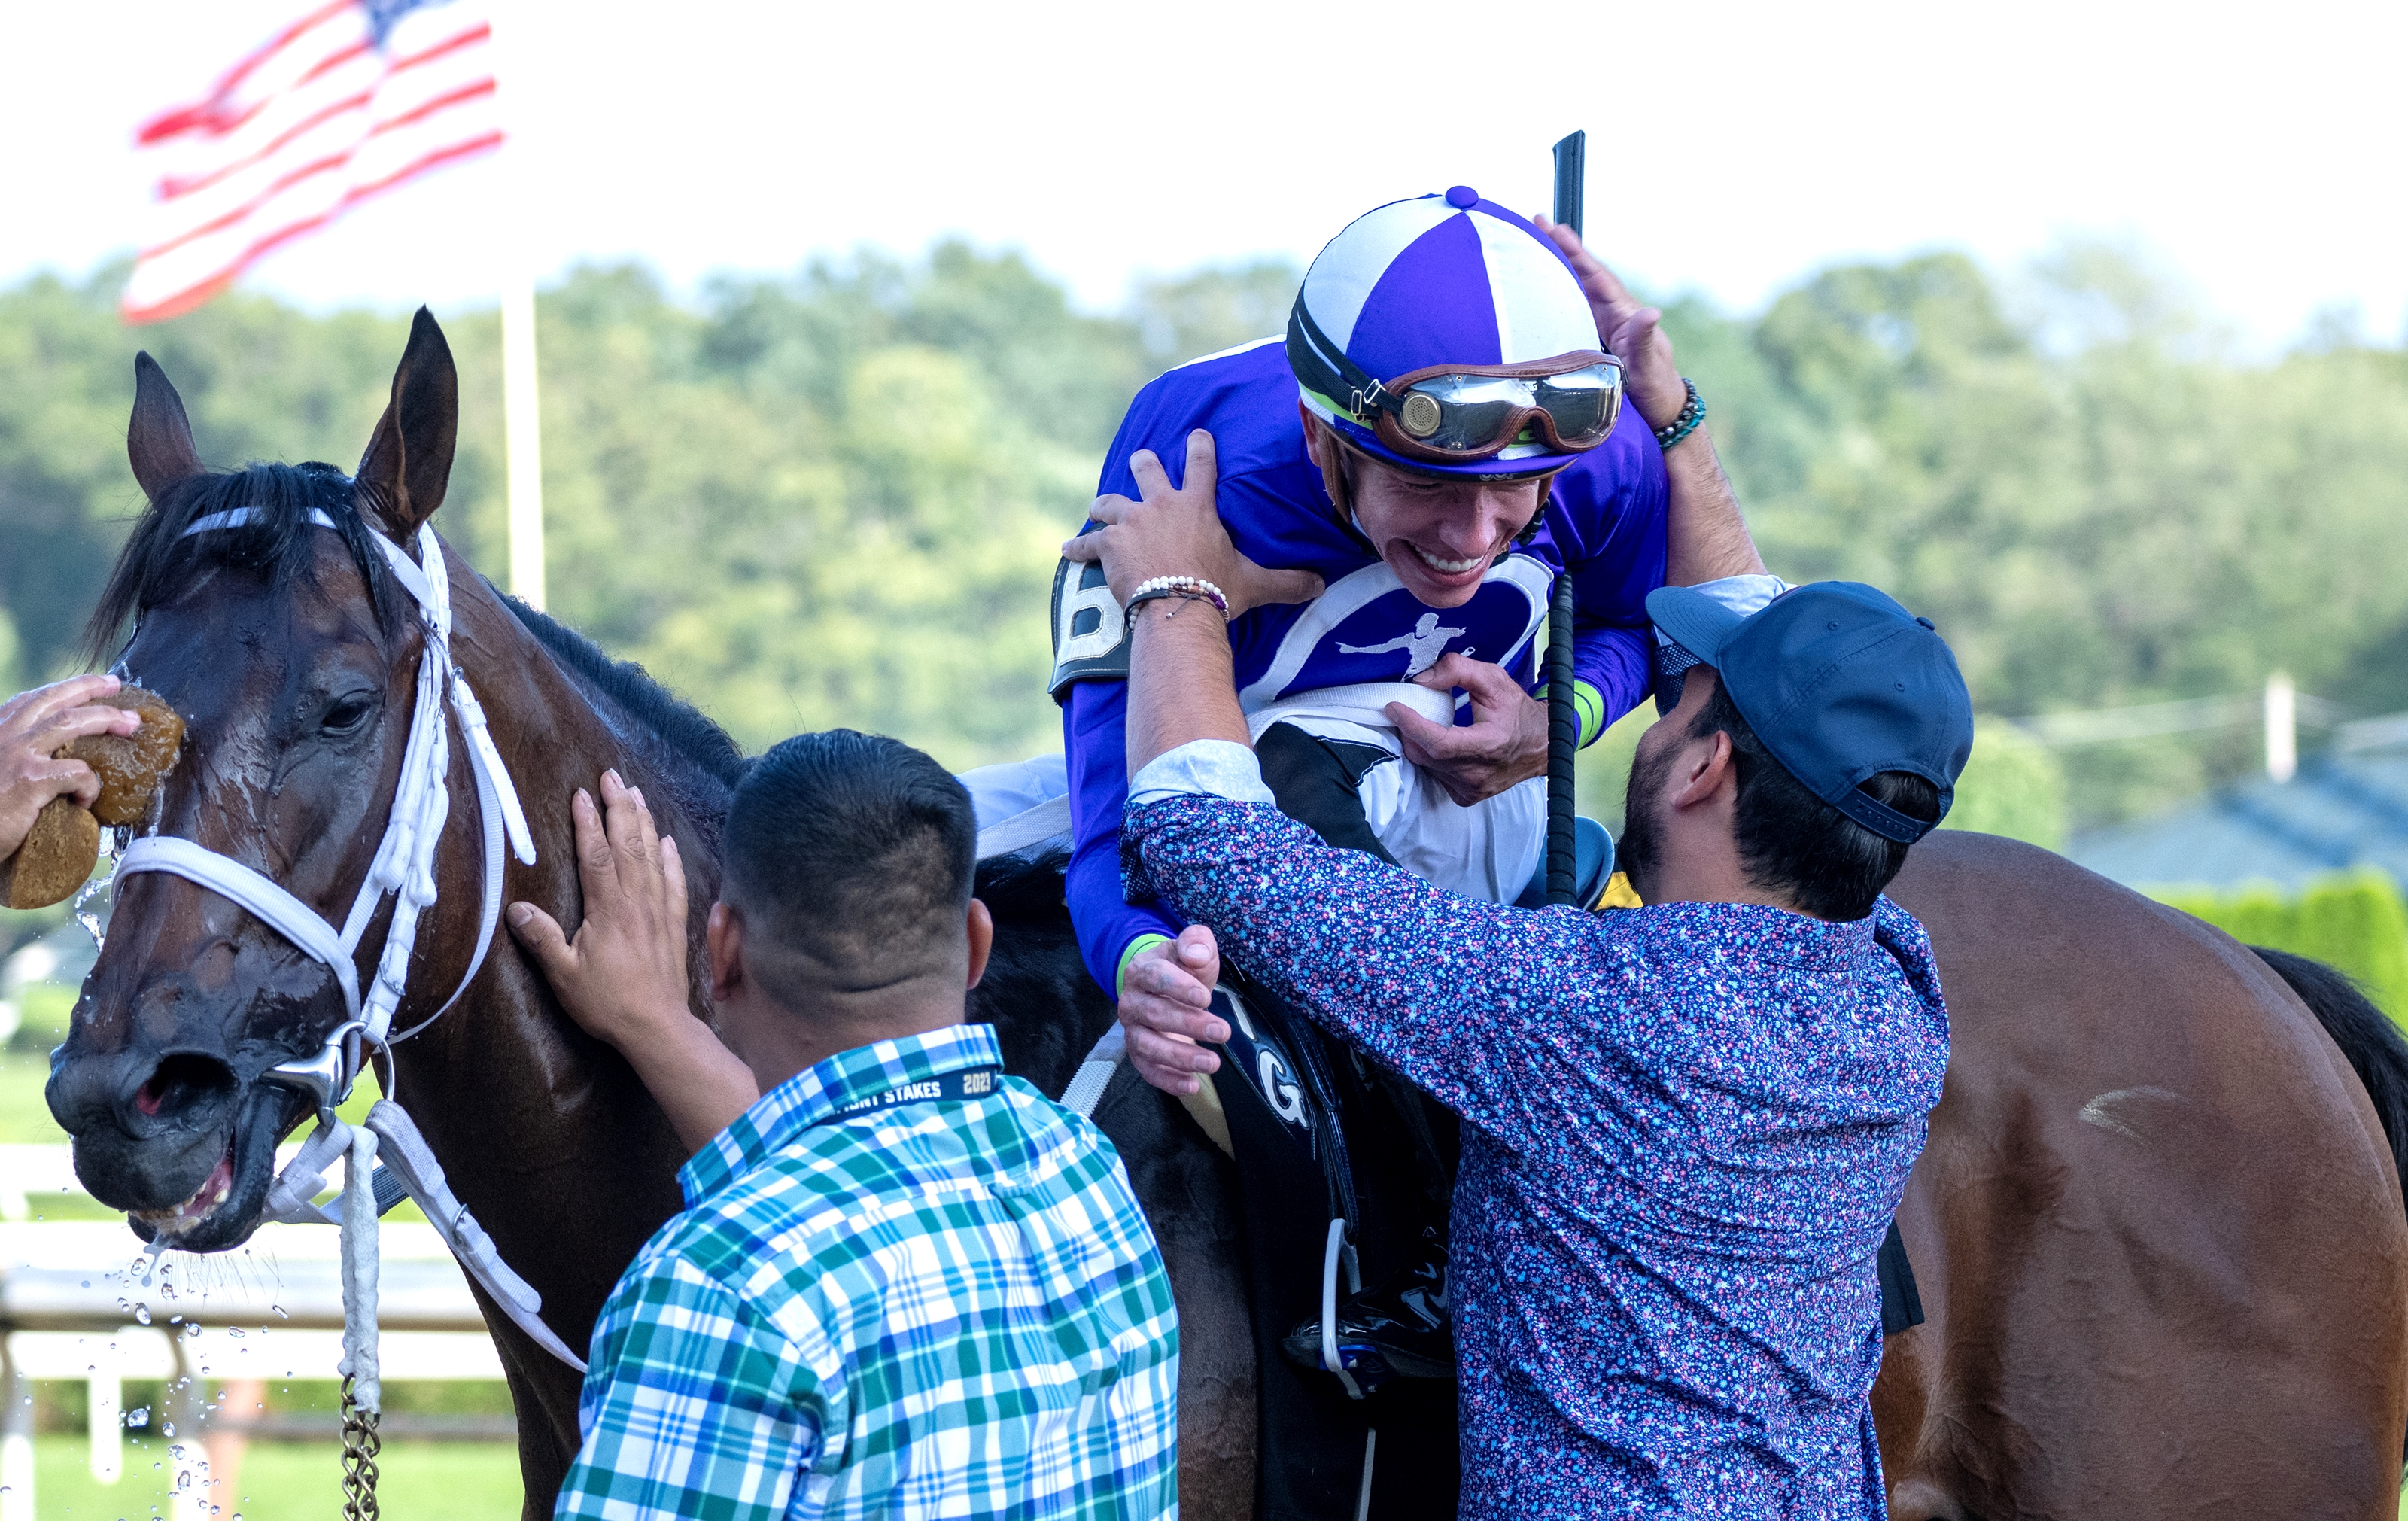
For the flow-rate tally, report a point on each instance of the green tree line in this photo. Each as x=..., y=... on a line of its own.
x=834, y=497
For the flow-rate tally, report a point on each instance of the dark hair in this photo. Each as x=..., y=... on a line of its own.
x=849, y=856
x=280, y=543
x=1794, y=843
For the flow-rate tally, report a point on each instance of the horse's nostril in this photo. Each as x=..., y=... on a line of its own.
x=180, y=1080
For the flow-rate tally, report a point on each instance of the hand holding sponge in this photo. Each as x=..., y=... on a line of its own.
x=58, y=856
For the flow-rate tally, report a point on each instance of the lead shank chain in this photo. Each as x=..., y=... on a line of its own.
x=360, y=1444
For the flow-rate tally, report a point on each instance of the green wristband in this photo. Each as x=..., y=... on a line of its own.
x=1588, y=707
x=1136, y=947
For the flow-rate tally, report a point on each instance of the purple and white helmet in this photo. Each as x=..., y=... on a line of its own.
x=1439, y=279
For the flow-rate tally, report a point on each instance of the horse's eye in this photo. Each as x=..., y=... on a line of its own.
x=348, y=715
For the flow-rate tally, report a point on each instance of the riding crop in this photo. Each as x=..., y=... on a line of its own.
x=1563, y=713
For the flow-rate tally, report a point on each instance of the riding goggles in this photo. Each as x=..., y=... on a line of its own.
x=1448, y=414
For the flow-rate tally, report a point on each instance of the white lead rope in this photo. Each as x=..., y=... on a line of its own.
x=360, y=1265
x=403, y=868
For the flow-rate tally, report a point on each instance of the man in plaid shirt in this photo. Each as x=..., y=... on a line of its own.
x=904, y=1285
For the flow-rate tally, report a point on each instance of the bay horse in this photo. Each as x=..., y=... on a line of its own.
x=293, y=656
x=2159, y=1228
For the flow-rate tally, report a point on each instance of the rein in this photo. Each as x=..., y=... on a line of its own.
x=403, y=868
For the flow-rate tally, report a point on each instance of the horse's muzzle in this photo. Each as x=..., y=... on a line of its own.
x=186, y=1147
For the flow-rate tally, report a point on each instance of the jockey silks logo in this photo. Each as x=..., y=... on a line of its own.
x=1366, y=627
x=1422, y=647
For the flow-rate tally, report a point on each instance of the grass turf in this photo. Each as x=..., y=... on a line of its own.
x=286, y=1482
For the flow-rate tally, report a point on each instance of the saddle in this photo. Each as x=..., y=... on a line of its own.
x=1321, y=1218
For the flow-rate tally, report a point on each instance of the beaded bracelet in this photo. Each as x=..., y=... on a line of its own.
x=1693, y=413
x=1186, y=588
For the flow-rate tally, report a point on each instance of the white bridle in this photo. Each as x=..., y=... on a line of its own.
x=404, y=868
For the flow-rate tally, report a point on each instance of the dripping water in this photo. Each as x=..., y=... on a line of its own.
x=112, y=845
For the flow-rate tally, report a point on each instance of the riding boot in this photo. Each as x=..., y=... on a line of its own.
x=1399, y=1327
x=1400, y=1324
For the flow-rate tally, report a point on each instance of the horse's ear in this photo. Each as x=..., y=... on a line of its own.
x=159, y=439
x=407, y=465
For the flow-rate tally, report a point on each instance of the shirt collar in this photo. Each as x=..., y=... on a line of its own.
x=1760, y=932
x=817, y=1092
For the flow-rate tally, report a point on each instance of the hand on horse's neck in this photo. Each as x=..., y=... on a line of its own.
x=554, y=738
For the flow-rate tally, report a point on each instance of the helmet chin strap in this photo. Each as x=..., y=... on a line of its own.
x=404, y=870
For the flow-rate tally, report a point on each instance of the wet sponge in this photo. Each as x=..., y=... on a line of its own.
x=129, y=765
x=59, y=853
x=55, y=858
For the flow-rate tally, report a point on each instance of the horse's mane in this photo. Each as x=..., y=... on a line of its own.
x=694, y=754
x=158, y=561
x=1024, y=888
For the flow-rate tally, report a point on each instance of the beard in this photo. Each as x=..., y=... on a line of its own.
x=1639, y=852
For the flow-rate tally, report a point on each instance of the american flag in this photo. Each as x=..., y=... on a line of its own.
x=355, y=97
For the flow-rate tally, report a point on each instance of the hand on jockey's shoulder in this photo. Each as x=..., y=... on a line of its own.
x=1504, y=745
x=1630, y=331
x=1166, y=1009
x=623, y=977
x=1706, y=539
x=1178, y=533
x=33, y=728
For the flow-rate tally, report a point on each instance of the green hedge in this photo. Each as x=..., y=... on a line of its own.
x=2354, y=921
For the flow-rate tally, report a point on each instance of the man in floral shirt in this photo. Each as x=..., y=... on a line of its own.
x=1687, y=1126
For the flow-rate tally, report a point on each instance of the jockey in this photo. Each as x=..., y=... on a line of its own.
x=1441, y=434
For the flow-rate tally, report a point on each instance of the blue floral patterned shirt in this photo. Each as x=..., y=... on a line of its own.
x=949, y=1307
x=1688, y=1128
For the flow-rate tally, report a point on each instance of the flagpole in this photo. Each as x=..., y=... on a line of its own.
x=522, y=409
x=523, y=435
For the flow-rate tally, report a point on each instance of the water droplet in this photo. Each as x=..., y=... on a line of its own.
x=175, y=1320
x=142, y=1314
x=193, y=1331
x=138, y=1416
x=87, y=1283
x=184, y=1480
x=233, y=1330
x=279, y=1312
x=87, y=917
x=167, y=1428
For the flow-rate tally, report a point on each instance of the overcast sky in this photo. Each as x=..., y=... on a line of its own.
x=1735, y=147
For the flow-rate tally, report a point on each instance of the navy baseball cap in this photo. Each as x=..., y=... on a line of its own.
x=1840, y=683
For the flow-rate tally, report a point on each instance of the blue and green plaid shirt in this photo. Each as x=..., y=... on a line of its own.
x=943, y=1308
